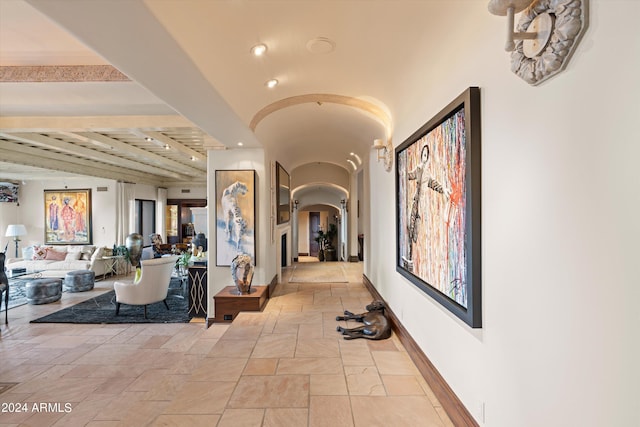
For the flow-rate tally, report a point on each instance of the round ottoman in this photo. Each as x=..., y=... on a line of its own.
x=79, y=280
x=43, y=291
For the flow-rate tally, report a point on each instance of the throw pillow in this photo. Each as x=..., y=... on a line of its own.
x=39, y=252
x=136, y=279
x=27, y=253
x=73, y=256
x=53, y=255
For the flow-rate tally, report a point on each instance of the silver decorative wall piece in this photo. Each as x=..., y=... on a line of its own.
x=547, y=34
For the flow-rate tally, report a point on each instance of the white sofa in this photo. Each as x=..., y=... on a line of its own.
x=56, y=261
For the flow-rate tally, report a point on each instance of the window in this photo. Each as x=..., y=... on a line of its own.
x=145, y=219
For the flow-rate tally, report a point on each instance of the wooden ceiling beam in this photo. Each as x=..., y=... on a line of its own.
x=139, y=152
x=86, y=153
x=29, y=156
x=201, y=162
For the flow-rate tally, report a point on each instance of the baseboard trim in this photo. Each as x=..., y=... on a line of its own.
x=457, y=412
x=353, y=258
x=272, y=286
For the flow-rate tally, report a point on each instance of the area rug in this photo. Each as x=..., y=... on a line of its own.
x=329, y=272
x=102, y=310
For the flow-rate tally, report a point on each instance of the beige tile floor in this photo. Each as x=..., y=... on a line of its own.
x=285, y=366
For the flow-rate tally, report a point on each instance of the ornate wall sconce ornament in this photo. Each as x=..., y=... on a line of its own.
x=385, y=152
x=547, y=35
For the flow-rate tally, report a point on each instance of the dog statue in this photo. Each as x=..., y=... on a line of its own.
x=376, y=325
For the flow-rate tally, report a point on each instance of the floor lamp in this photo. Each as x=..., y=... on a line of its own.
x=15, y=231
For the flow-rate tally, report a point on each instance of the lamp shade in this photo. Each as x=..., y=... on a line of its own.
x=15, y=230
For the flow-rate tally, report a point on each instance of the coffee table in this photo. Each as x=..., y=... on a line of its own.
x=17, y=283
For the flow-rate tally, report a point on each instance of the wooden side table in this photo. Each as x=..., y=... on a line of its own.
x=228, y=303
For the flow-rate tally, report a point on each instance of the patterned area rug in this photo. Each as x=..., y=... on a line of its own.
x=102, y=310
x=318, y=273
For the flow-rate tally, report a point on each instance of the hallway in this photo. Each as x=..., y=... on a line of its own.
x=285, y=366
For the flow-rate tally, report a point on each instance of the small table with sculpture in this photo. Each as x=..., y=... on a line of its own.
x=242, y=297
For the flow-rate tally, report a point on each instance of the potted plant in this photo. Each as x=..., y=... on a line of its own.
x=183, y=262
x=321, y=239
x=329, y=250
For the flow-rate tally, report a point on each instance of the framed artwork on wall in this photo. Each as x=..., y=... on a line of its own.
x=283, y=194
x=67, y=217
x=8, y=192
x=235, y=215
x=438, y=208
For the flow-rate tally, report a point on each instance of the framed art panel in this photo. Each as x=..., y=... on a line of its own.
x=283, y=195
x=438, y=208
x=235, y=215
x=8, y=192
x=67, y=217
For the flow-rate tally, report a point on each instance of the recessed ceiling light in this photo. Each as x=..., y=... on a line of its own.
x=166, y=146
x=240, y=144
x=272, y=83
x=259, y=49
x=193, y=158
x=148, y=139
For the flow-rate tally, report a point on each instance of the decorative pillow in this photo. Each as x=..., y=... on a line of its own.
x=73, y=256
x=39, y=252
x=98, y=253
x=53, y=255
x=138, y=275
x=27, y=253
x=86, y=256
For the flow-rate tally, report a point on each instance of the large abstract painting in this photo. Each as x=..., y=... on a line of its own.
x=67, y=217
x=235, y=215
x=438, y=207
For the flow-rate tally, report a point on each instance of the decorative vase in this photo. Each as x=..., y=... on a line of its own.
x=200, y=241
x=242, y=273
x=134, y=243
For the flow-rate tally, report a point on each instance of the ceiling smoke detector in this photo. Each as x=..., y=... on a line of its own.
x=321, y=46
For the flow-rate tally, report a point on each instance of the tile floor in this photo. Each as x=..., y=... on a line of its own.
x=285, y=366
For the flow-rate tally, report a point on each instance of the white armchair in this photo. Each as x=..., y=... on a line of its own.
x=151, y=287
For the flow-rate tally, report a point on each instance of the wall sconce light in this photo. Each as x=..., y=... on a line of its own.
x=295, y=205
x=344, y=205
x=546, y=28
x=385, y=152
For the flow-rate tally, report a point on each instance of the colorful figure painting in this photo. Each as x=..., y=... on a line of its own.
x=67, y=216
x=434, y=189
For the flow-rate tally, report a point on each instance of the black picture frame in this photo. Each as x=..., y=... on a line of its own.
x=283, y=195
x=438, y=224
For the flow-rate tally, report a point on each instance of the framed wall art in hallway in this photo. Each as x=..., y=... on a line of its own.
x=438, y=207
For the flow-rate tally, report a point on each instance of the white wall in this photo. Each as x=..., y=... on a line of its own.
x=31, y=210
x=220, y=277
x=560, y=230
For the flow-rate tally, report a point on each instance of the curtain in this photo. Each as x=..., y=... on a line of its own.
x=161, y=213
x=124, y=211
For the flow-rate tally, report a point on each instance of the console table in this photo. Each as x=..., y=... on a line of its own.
x=228, y=303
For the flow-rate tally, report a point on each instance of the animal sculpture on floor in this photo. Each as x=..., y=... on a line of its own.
x=235, y=225
x=376, y=324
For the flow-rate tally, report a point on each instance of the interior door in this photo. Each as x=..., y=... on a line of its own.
x=314, y=227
